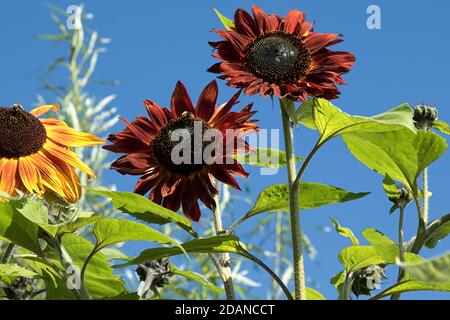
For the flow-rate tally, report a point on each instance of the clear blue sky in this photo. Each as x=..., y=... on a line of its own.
x=156, y=43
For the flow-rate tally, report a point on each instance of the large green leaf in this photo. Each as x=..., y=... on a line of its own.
x=32, y=209
x=17, y=228
x=144, y=209
x=400, y=154
x=345, y=232
x=434, y=271
x=71, y=226
x=312, y=294
x=100, y=280
x=217, y=244
x=413, y=285
x=358, y=257
x=384, y=246
x=442, y=126
x=196, y=278
x=439, y=234
x=311, y=195
x=110, y=231
x=14, y=270
x=330, y=121
x=265, y=157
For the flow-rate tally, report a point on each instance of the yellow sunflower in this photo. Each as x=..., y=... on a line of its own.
x=36, y=155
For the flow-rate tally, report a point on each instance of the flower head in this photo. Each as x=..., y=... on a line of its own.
x=281, y=56
x=36, y=156
x=152, y=149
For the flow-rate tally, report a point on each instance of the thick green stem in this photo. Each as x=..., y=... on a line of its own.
x=401, y=248
x=277, y=258
x=224, y=265
x=426, y=195
x=347, y=287
x=299, y=271
x=7, y=254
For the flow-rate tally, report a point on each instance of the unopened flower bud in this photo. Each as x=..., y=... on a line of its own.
x=21, y=289
x=403, y=197
x=155, y=274
x=424, y=116
x=367, y=279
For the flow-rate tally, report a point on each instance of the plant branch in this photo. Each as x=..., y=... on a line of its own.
x=7, y=254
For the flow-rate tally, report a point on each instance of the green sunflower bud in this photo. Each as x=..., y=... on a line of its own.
x=155, y=274
x=367, y=279
x=424, y=116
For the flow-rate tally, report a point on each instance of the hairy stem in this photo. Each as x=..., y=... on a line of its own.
x=224, y=264
x=426, y=195
x=277, y=258
x=298, y=263
x=347, y=287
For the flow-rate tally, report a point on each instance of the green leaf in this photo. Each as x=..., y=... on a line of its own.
x=32, y=209
x=312, y=294
x=330, y=121
x=312, y=195
x=384, y=246
x=114, y=254
x=18, y=229
x=338, y=281
x=217, y=244
x=197, y=278
x=227, y=23
x=14, y=270
x=400, y=154
x=435, y=271
x=346, y=232
x=110, y=231
x=70, y=226
x=413, y=285
x=439, y=234
x=100, y=280
x=390, y=188
x=265, y=157
x=144, y=209
x=442, y=126
x=358, y=257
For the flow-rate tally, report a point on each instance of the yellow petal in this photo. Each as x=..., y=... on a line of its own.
x=39, y=111
x=30, y=176
x=72, y=138
x=8, y=176
x=67, y=156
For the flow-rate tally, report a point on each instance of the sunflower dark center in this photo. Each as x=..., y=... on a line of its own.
x=21, y=133
x=278, y=57
x=188, y=157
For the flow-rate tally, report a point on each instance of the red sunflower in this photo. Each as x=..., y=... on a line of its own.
x=148, y=146
x=281, y=56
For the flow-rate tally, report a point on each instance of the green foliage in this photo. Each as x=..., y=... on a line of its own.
x=357, y=257
x=312, y=195
x=400, y=154
x=198, y=278
x=144, y=209
x=346, y=232
x=217, y=244
x=265, y=157
x=312, y=294
x=384, y=246
x=434, y=271
x=330, y=121
x=111, y=231
x=14, y=270
x=440, y=233
x=17, y=228
x=442, y=126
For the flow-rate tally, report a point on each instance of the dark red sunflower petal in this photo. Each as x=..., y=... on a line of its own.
x=207, y=101
x=181, y=101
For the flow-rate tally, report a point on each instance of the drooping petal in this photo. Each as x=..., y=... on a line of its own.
x=39, y=111
x=8, y=176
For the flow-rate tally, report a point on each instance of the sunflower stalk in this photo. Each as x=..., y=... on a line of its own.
x=293, y=184
x=224, y=268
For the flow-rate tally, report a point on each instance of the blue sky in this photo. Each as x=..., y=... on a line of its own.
x=154, y=44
